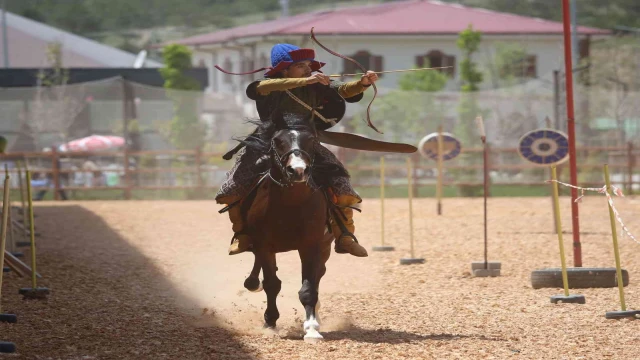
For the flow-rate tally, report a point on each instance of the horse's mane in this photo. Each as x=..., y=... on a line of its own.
x=260, y=139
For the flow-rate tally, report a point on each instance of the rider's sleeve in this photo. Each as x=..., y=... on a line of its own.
x=351, y=91
x=265, y=87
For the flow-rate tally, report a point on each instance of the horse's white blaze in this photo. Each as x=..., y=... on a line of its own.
x=297, y=163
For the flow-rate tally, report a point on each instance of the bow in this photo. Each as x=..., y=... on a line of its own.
x=364, y=71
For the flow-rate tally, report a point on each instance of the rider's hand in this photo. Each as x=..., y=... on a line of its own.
x=369, y=78
x=318, y=78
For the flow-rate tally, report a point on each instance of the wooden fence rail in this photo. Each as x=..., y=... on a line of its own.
x=195, y=165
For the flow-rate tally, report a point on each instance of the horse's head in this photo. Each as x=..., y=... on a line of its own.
x=293, y=152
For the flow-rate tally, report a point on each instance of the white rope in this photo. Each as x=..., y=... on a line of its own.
x=603, y=190
x=331, y=121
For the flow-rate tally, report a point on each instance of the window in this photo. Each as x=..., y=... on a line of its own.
x=436, y=58
x=523, y=67
x=370, y=62
x=228, y=66
x=264, y=63
x=530, y=66
x=248, y=65
x=584, y=47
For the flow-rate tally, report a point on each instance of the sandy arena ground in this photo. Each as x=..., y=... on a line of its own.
x=151, y=280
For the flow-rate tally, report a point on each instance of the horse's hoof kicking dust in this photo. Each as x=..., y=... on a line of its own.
x=270, y=332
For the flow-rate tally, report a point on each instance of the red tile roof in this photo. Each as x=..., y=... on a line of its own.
x=395, y=18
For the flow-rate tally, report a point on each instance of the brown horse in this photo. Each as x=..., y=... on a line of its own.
x=294, y=216
x=290, y=209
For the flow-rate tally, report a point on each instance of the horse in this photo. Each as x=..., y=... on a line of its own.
x=295, y=216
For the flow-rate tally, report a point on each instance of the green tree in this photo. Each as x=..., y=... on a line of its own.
x=468, y=108
x=469, y=42
x=186, y=131
x=55, y=105
x=507, y=65
x=427, y=80
x=407, y=114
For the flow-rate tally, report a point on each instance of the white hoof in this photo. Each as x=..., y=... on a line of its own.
x=313, y=337
x=258, y=289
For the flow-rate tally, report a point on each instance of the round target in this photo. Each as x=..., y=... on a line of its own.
x=428, y=146
x=544, y=147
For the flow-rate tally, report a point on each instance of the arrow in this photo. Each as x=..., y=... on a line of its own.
x=393, y=71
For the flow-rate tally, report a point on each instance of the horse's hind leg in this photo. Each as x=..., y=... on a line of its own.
x=252, y=283
x=272, y=287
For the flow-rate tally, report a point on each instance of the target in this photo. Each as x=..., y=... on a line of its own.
x=428, y=146
x=544, y=147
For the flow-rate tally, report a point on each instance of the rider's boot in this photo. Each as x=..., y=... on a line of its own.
x=345, y=240
x=241, y=241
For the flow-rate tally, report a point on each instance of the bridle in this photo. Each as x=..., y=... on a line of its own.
x=280, y=159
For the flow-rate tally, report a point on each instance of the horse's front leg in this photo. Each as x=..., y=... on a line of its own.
x=272, y=286
x=312, y=270
x=252, y=283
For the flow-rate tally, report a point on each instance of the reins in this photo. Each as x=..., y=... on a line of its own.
x=280, y=159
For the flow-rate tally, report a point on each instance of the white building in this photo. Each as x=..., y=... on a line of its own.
x=384, y=37
x=388, y=36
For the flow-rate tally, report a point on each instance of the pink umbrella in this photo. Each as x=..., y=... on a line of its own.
x=92, y=143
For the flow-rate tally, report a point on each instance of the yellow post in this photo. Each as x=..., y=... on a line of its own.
x=556, y=204
x=382, y=200
x=440, y=177
x=5, y=221
x=12, y=244
x=24, y=207
x=409, y=183
x=614, y=234
x=32, y=231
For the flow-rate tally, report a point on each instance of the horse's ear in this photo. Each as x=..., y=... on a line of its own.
x=278, y=119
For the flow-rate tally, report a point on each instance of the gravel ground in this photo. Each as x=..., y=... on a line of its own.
x=151, y=280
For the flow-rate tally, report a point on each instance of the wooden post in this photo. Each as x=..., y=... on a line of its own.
x=440, y=175
x=630, y=163
x=410, y=190
x=56, y=173
x=126, y=101
x=382, y=200
x=549, y=171
x=556, y=99
x=127, y=177
x=199, y=180
x=415, y=159
x=487, y=178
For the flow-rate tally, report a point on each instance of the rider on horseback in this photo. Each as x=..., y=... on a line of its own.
x=292, y=87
